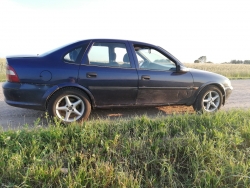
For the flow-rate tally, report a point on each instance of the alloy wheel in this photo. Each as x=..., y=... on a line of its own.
x=211, y=101
x=70, y=108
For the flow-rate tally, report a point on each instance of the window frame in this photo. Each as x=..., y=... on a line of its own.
x=85, y=60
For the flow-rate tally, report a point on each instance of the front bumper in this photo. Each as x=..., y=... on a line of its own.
x=228, y=91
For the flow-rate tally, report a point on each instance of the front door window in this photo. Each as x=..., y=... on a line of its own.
x=152, y=59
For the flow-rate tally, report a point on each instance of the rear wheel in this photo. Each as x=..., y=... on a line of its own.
x=209, y=100
x=69, y=105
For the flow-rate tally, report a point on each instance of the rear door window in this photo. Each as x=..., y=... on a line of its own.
x=109, y=54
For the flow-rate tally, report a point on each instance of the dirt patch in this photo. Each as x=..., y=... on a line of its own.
x=133, y=112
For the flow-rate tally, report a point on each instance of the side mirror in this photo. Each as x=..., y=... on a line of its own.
x=180, y=68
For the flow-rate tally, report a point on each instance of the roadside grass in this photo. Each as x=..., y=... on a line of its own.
x=209, y=150
x=232, y=71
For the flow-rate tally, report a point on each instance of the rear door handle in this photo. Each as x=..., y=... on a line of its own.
x=91, y=75
x=145, y=77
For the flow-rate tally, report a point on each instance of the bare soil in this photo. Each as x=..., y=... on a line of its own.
x=12, y=117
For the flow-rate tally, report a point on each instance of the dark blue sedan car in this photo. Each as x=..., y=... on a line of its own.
x=99, y=73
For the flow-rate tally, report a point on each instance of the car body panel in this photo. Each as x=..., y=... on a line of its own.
x=164, y=87
x=110, y=86
x=205, y=78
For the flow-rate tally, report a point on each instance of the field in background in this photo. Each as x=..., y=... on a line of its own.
x=209, y=150
x=2, y=69
x=232, y=71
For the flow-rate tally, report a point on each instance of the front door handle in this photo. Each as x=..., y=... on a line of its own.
x=145, y=77
x=91, y=75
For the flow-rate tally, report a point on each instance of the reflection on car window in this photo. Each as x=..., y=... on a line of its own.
x=149, y=58
x=72, y=55
x=109, y=54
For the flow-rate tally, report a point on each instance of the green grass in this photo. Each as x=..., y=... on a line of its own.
x=232, y=71
x=175, y=151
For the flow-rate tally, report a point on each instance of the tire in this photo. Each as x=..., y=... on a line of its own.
x=209, y=100
x=69, y=105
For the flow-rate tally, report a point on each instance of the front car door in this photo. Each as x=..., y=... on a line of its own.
x=159, y=82
x=109, y=72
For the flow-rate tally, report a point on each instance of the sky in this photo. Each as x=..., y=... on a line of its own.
x=188, y=29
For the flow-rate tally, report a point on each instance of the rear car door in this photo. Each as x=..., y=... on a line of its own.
x=109, y=72
x=159, y=82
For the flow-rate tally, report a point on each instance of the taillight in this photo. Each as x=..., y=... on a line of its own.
x=11, y=74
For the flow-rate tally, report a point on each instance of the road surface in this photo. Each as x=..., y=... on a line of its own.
x=12, y=117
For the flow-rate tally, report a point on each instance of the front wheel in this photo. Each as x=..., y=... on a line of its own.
x=209, y=100
x=69, y=105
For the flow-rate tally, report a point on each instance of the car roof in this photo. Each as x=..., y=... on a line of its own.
x=114, y=40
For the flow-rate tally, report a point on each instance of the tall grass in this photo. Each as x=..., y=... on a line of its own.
x=232, y=71
x=178, y=151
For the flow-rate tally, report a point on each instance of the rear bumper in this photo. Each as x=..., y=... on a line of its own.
x=25, y=95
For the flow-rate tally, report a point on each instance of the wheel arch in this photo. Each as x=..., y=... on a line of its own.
x=59, y=87
x=218, y=85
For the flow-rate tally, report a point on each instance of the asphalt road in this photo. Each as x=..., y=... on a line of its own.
x=14, y=118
